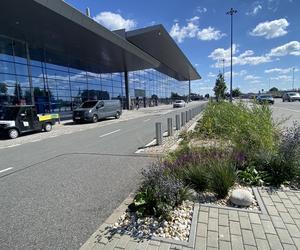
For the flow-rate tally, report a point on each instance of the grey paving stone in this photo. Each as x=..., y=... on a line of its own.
x=295, y=200
x=235, y=228
x=280, y=207
x=268, y=227
x=131, y=245
x=286, y=218
x=297, y=207
x=243, y=214
x=297, y=222
x=211, y=248
x=224, y=245
x=297, y=242
x=223, y=211
x=233, y=215
x=237, y=242
x=293, y=230
x=289, y=247
x=122, y=242
x=272, y=210
x=254, y=218
x=284, y=236
x=294, y=213
x=152, y=247
x=264, y=217
x=274, y=241
x=275, y=198
x=200, y=243
x=223, y=220
x=268, y=201
x=97, y=247
x=224, y=233
x=111, y=244
x=245, y=223
x=204, y=209
x=202, y=229
x=258, y=231
x=142, y=245
x=154, y=243
x=247, y=247
x=282, y=195
x=288, y=204
x=213, y=212
x=262, y=244
x=248, y=237
x=203, y=217
x=277, y=222
x=175, y=247
x=213, y=224
x=164, y=246
x=212, y=239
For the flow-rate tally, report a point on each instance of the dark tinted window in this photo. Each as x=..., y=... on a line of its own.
x=9, y=113
x=88, y=104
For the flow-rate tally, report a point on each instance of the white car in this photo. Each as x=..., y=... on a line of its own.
x=291, y=97
x=179, y=104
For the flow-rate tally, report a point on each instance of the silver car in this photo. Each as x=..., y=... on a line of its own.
x=291, y=97
x=179, y=104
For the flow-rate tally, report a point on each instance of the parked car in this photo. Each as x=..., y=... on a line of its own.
x=291, y=96
x=94, y=110
x=16, y=120
x=179, y=104
x=263, y=99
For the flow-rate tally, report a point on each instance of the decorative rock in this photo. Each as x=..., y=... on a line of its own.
x=241, y=197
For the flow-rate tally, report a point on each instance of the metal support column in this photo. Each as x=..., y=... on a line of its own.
x=127, y=105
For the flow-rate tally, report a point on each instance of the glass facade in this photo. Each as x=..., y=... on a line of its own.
x=30, y=76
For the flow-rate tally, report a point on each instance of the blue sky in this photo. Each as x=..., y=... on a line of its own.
x=266, y=36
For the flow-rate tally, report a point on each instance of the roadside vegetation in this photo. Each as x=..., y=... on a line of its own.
x=233, y=143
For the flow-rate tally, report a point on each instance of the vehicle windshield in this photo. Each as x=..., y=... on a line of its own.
x=178, y=101
x=88, y=104
x=293, y=94
x=9, y=113
x=265, y=96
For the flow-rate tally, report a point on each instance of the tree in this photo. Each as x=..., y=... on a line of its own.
x=274, y=89
x=220, y=87
x=236, y=92
x=3, y=88
x=18, y=91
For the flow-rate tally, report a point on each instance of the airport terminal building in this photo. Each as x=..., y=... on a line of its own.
x=55, y=57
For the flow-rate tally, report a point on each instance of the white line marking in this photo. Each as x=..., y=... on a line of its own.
x=110, y=133
x=139, y=151
x=4, y=170
x=11, y=146
x=152, y=143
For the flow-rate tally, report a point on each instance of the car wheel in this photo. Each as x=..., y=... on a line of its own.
x=117, y=116
x=48, y=127
x=95, y=118
x=13, y=133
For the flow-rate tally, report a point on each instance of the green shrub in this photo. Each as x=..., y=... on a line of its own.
x=197, y=177
x=250, y=129
x=222, y=177
x=159, y=193
x=250, y=176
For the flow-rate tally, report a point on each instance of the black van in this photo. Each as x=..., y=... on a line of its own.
x=95, y=110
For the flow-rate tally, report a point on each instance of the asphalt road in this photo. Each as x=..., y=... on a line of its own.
x=54, y=193
x=286, y=112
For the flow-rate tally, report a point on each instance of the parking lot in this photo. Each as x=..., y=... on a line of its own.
x=286, y=112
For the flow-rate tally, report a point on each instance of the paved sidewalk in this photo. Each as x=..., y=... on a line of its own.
x=219, y=228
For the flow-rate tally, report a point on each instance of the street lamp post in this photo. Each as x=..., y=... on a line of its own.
x=231, y=12
x=293, y=77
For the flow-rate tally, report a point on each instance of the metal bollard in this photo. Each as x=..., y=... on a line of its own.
x=190, y=115
x=158, y=133
x=182, y=119
x=170, y=127
x=186, y=116
x=177, y=120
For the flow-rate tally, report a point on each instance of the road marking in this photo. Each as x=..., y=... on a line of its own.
x=110, y=133
x=4, y=170
x=288, y=109
x=15, y=145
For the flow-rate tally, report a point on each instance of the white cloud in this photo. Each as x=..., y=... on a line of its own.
x=256, y=8
x=291, y=48
x=114, y=21
x=284, y=78
x=280, y=71
x=247, y=57
x=201, y=9
x=252, y=78
x=272, y=29
x=192, y=30
x=209, y=33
